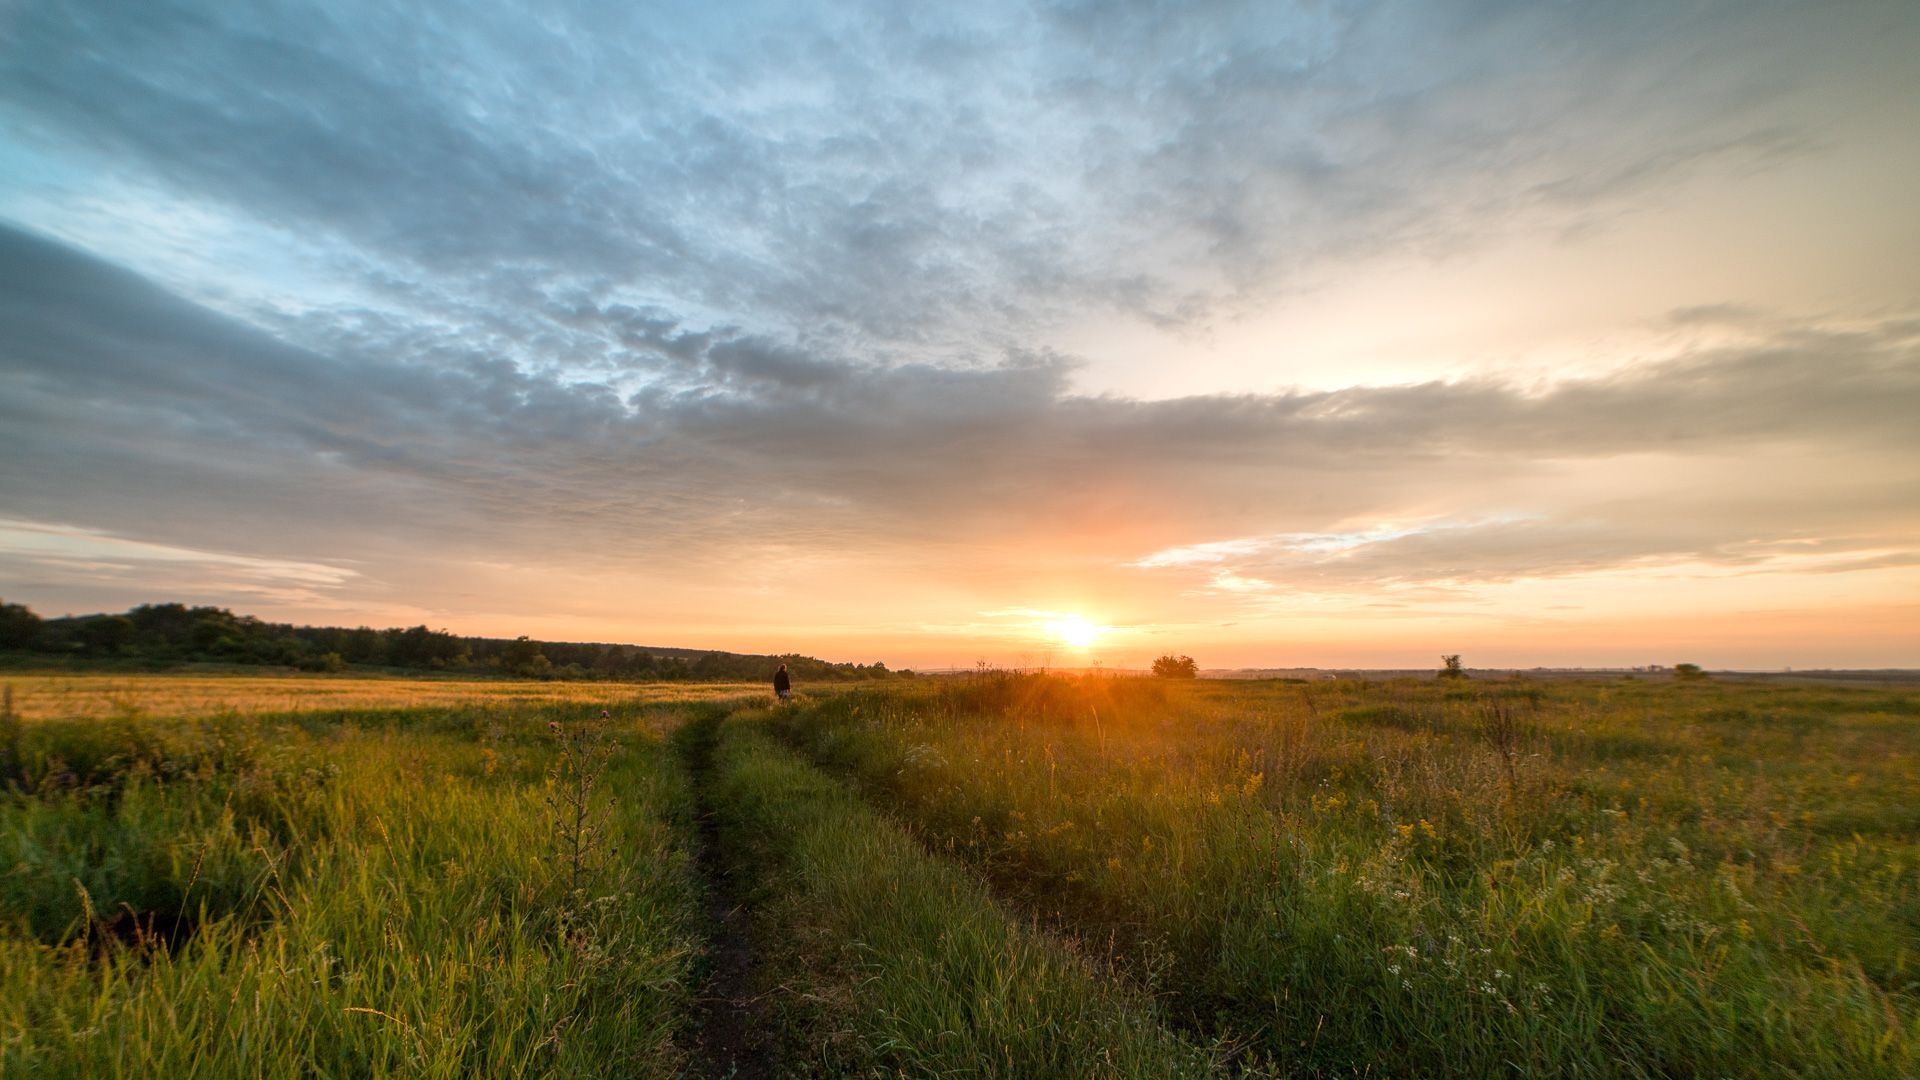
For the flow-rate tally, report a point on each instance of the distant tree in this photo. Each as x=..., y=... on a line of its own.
x=107, y=635
x=524, y=657
x=174, y=632
x=1452, y=670
x=331, y=662
x=423, y=648
x=19, y=626
x=1176, y=667
x=166, y=628
x=213, y=632
x=1688, y=672
x=365, y=645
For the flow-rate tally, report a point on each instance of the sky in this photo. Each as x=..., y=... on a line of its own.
x=1319, y=334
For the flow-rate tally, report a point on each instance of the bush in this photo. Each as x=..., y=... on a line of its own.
x=1176, y=667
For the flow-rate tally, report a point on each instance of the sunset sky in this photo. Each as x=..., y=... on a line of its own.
x=1339, y=334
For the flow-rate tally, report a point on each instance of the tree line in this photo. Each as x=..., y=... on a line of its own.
x=165, y=634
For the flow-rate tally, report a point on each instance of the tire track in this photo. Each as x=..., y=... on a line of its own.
x=733, y=1036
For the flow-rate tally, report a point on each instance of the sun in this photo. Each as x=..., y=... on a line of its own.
x=1076, y=632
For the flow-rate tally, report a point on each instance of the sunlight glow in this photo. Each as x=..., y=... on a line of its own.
x=1076, y=632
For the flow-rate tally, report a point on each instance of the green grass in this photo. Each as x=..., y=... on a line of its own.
x=1016, y=876
x=896, y=963
x=348, y=895
x=1419, y=878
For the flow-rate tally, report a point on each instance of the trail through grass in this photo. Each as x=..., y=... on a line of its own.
x=733, y=1033
x=1423, y=879
x=1018, y=876
x=890, y=962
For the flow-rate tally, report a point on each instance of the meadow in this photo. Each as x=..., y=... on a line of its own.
x=1425, y=877
x=309, y=877
x=83, y=696
x=995, y=875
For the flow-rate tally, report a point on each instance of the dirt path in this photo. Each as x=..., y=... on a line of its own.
x=733, y=1036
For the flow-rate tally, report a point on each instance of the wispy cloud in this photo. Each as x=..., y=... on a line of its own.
x=859, y=175
x=65, y=544
x=1434, y=561
x=134, y=406
x=87, y=560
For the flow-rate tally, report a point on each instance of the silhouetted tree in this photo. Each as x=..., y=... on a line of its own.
x=523, y=657
x=1176, y=667
x=364, y=645
x=19, y=627
x=107, y=635
x=420, y=647
x=177, y=632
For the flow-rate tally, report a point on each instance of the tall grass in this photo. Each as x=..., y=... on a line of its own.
x=360, y=894
x=1419, y=878
x=50, y=695
x=899, y=964
x=1096, y=877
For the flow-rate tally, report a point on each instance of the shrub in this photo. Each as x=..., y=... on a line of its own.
x=1176, y=667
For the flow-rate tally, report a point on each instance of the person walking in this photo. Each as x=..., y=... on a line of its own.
x=782, y=685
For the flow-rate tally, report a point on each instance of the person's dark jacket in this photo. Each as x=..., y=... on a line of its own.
x=781, y=684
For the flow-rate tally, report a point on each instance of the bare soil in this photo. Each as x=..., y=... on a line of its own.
x=734, y=1038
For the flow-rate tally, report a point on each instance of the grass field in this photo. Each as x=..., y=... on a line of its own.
x=65, y=696
x=1424, y=878
x=1001, y=875
x=394, y=889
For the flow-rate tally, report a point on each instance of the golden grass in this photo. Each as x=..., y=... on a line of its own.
x=70, y=696
x=1414, y=878
x=375, y=891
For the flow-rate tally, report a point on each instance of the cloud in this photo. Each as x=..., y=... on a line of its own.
x=84, y=561
x=140, y=413
x=873, y=180
x=1715, y=315
x=66, y=544
x=719, y=295
x=1566, y=542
